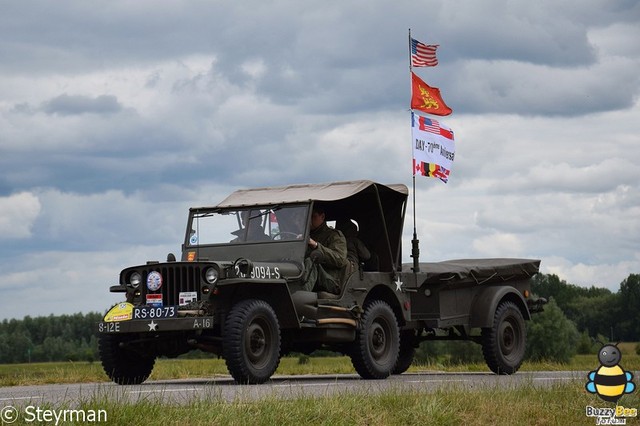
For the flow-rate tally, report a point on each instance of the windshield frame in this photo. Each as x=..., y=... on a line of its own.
x=264, y=211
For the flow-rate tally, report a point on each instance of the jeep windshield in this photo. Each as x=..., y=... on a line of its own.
x=252, y=225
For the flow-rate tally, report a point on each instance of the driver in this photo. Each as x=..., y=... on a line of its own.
x=326, y=257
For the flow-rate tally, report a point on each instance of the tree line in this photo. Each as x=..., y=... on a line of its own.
x=596, y=311
x=50, y=338
x=573, y=318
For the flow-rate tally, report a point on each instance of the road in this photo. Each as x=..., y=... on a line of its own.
x=223, y=388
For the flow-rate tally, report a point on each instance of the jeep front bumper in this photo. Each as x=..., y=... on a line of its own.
x=156, y=325
x=126, y=318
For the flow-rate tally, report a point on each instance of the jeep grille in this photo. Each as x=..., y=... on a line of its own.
x=175, y=279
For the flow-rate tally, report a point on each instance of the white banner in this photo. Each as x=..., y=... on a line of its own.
x=433, y=147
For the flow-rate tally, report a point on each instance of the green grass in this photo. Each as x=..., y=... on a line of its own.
x=528, y=405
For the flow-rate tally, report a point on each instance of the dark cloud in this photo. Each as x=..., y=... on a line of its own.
x=342, y=59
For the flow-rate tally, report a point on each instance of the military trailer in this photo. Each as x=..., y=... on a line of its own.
x=237, y=291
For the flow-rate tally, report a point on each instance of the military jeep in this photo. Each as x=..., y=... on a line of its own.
x=237, y=291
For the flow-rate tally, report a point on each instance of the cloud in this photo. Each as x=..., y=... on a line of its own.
x=110, y=220
x=525, y=89
x=64, y=282
x=17, y=215
x=543, y=37
x=592, y=178
x=77, y=104
x=591, y=275
x=495, y=245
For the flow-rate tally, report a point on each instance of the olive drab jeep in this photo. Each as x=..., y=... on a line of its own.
x=237, y=291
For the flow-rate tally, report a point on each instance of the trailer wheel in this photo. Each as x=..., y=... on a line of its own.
x=124, y=367
x=407, y=352
x=375, y=350
x=503, y=344
x=251, y=342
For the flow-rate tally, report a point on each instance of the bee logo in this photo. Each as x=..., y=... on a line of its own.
x=610, y=381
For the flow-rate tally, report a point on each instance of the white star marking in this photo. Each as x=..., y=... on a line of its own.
x=398, y=284
x=152, y=326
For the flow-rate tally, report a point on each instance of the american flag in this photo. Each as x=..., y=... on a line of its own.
x=429, y=125
x=423, y=55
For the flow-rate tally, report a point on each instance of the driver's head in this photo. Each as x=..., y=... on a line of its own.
x=317, y=217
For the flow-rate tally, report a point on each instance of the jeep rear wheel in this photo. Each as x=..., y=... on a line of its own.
x=503, y=344
x=251, y=342
x=124, y=367
x=407, y=352
x=375, y=350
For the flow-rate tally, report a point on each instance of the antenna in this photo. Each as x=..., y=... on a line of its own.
x=415, y=243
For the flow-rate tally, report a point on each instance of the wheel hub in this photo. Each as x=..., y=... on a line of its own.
x=256, y=343
x=378, y=341
x=508, y=338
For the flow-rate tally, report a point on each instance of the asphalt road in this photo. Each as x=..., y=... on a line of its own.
x=223, y=388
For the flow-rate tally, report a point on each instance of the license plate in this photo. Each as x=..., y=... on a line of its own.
x=151, y=312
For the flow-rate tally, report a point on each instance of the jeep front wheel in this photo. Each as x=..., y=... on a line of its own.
x=503, y=344
x=375, y=350
x=251, y=342
x=124, y=367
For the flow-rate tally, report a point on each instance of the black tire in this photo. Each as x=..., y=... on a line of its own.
x=375, y=351
x=124, y=367
x=251, y=342
x=407, y=352
x=504, y=344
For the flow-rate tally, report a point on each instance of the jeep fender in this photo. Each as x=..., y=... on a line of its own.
x=487, y=300
x=274, y=292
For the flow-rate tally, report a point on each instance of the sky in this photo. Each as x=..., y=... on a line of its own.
x=117, y=116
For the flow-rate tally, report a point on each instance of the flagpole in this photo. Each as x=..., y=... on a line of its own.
x=415, y=243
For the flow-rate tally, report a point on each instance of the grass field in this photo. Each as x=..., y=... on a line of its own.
x=530, y=405
x=559, y=405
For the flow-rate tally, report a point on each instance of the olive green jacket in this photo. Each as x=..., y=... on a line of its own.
x=332, y=245
x=331, y=268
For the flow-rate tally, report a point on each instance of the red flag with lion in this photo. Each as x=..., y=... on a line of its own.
x=426, y=98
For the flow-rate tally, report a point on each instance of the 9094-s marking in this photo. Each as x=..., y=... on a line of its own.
x=261, y=272
x=265, y=272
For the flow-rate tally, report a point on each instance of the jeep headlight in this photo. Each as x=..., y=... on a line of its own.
x=211, y=275
x=135, y=279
